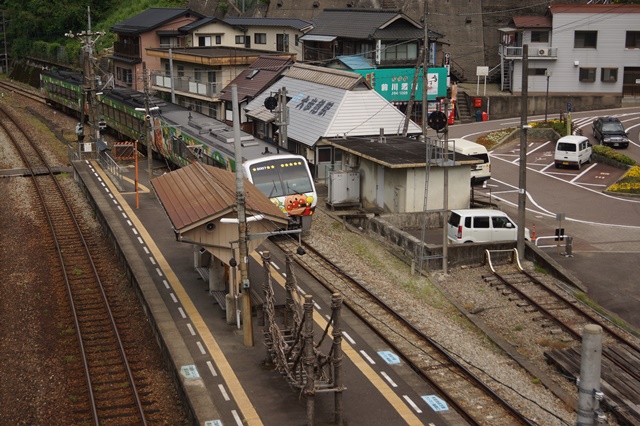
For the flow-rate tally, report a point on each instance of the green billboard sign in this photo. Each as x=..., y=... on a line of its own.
x=394, y=84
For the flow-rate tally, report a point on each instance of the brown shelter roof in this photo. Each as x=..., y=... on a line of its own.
x=198, y=193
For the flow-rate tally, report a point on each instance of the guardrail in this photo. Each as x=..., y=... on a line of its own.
x=568, y=243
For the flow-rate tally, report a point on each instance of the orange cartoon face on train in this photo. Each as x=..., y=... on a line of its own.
x=298, y=204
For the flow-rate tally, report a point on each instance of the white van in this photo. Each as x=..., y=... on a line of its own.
x=572, y=151
x=481, y=226
x=479, y=172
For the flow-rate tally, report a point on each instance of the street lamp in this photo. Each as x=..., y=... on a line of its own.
x=547, y=74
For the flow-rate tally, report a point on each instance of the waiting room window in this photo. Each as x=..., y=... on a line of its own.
x=632, y=40
x=585, y=39
x=587, y=74
x=609, y=75
x=260, y=38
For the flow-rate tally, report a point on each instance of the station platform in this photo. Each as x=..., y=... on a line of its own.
x=222, y=381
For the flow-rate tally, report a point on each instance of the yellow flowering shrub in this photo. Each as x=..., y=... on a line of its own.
x=629, y=183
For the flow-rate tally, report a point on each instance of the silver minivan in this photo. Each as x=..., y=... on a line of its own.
x=481, y=226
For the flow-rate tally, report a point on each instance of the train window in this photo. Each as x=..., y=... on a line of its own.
x=280, y=177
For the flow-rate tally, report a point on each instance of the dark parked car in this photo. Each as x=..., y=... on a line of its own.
x=610, y=132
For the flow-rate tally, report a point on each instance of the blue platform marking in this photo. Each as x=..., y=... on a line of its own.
x=213, y=423
x=436, y=403
x=189, y=372
x=389, y=357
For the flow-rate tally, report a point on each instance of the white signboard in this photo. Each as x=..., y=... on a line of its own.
x=482, y=71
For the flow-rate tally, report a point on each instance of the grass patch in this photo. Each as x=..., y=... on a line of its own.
x=540, y=269
x=552, y=344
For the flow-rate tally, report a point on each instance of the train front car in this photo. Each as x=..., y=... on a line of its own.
x=286, y=180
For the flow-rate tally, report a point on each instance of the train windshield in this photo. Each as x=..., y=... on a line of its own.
x=280, y=177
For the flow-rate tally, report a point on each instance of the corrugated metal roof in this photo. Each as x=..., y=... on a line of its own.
x=152, y=18
x=355, y=62
x=396, y=152
x=326, y=76
x=268, y=69
x=199, y=192
x=317, y=110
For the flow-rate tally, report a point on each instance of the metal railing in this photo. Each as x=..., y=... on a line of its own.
x=186, y=85
x=109, y=164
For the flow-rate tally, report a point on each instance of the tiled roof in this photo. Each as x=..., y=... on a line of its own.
x=352, y=23
x=198, y=192
x=326, y=76
x=298, y=24
x=151, y=18
x=268, y=68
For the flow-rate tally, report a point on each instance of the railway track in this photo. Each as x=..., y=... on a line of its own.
x=7, y=87
x=110, y=393
x=471, y=396
x=565, y=316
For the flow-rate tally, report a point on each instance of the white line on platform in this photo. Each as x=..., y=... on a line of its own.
x=412, y=404
x=223, y=391
x=388, y=379
x=367, y=357
x=213, y=371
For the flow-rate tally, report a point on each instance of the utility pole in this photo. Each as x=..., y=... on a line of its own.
x=247, y=324
x=148, y=123
x=522, y=181
x=90, y=98
x=6, y=51
x=425, y=66
x=283, y=117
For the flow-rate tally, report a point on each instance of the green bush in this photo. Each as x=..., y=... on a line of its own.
x=609, y=152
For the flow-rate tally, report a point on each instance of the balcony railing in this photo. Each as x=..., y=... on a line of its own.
x=515, y=52
x=127, y=50
x=186, y=85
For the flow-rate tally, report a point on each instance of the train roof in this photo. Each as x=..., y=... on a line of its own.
x=201, y=127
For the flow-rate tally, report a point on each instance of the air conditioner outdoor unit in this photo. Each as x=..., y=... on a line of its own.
x=543, y=52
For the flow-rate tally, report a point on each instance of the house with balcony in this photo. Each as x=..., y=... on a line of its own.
x=383, y=37
x=189, y=61
x=587, y=50
x=272, y=34
x=155, y=27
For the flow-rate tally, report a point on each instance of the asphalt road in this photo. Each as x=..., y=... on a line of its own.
x=605, y=228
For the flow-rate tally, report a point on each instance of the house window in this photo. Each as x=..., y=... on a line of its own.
x=297, y=40
x=197, y=74
x=167, y=41
x=204, y=41
x=260, y=38
x=537, y=71
x=540, y=36
x=126, y=76
x=585, y=39
x=400, y=52
x=282, y=42
x=218, y=39
x=180, y=70
x=587, y=74
x=632, y=41
x=609, y=75
x=239, y=39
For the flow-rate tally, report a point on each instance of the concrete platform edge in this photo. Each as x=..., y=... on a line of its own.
x=195, y=396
